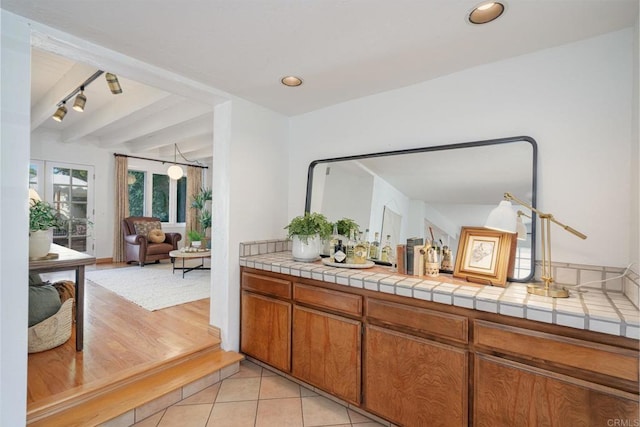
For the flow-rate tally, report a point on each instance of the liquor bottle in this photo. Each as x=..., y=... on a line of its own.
x=340, y=253
x=360, y=251
x=365, y=240
x=374, y=246
x=351, y=245
x=333, y=242
x=386, y=250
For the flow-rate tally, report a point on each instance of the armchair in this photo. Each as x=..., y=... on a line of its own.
x=138, y=240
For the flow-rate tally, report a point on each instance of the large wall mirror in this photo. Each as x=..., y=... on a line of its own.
x=438, y=189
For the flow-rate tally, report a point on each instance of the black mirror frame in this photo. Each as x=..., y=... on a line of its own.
x=534, y=180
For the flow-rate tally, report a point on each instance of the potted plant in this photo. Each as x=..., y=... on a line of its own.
x=43, y=218
x=195, y=237
x=203, y=214
x=307, y=231
x=345, y=225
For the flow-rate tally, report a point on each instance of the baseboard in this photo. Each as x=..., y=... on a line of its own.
x=215, y=331
x=104, y=260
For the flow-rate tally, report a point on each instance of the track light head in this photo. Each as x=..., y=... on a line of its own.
x=114, y=85
x=80, y=101
x=60, y=113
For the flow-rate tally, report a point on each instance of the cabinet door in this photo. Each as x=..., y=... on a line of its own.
x=326, y=352
x=512, y=394
x=414, y=382
x=266, y=326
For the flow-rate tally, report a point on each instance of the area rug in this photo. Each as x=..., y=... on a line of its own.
x=154, y=286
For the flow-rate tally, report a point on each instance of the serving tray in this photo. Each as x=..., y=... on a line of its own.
x=327, y=261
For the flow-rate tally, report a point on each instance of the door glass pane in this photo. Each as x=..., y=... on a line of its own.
x=160, y=199
x=61, y=193
x=79, y=194
x=136, y=193
x=181, y=200
x=80, y=176
x=61, y=176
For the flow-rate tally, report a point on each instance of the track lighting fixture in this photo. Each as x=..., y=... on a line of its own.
x=81, y=98
x=60, y=112
x=80, y=101
x=114, y=85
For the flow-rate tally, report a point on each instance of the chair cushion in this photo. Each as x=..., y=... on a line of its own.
x=156, y=236
x=144, y=227
x=44, y=302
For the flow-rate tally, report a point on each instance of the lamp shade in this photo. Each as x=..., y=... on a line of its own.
x=175, y=172
x=502, y=218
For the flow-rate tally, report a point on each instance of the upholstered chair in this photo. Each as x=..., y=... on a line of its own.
x=145, y=242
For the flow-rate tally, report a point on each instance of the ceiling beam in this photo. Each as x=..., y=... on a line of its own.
x=118, y=108
x=147, y=122
x=169, y=136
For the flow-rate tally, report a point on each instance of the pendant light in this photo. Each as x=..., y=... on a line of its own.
x=175, y=171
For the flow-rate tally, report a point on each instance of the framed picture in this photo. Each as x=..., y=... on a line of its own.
x=484, y=255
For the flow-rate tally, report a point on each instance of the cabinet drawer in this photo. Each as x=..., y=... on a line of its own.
x=328, y=299
x=574, y=353
x=266, y=285
x=431, y=322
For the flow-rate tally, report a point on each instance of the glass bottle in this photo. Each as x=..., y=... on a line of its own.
x=333, y=242
x=365, y=240
x=351, y=245
x=340, y=253
x=386, y=250
x=360, y=251
x=373, y=247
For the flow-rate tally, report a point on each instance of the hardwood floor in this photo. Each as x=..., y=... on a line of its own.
x=120, y=340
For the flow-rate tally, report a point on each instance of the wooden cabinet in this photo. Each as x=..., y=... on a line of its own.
x=508, y=393
x=326, y=352
x=530, y=378
x=266, y=321
x=422, y=363
x=414, y=382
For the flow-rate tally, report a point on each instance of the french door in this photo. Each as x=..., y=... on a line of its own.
x=69, y=189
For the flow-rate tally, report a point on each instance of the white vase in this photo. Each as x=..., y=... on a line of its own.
x=40, y=243
x=196, y=244
x=306, y=252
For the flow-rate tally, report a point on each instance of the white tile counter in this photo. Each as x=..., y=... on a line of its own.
x=592, y=309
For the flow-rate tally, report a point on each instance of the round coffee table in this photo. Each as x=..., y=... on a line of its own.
x=189, y=255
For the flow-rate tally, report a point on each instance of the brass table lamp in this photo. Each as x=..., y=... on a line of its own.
x=503, y=218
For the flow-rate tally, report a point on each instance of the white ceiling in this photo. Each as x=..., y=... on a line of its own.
x=342, y=50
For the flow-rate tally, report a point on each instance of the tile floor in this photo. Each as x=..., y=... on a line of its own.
x=256, y=397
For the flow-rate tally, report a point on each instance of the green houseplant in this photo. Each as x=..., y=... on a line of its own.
x=203, y=214
x=345, y=225
x=43, y=218
x=306, y=231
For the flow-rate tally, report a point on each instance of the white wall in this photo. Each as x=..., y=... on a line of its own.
x=575, y=100
x=635, y=138
x=249, y=199
x=15, y=64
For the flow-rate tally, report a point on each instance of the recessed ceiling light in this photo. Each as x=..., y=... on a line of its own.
x=291, y=81
x=486, y=12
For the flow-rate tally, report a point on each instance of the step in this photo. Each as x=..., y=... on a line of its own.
x=99, y=403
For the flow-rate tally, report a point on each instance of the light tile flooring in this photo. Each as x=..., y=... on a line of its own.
x=256, y=397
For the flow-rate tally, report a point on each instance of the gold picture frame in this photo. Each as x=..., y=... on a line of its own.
x=484, y=256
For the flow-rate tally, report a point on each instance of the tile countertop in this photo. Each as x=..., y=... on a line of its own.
x=592, y=309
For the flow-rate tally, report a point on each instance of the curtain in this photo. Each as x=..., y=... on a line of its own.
x=121, y=206
x=194, y=185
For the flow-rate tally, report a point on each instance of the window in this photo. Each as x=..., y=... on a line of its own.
x=153, y=193
x=136, y=193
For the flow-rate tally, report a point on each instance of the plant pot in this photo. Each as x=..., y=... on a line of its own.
x=40, y=243
x=196, y=244
x=306, y=252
